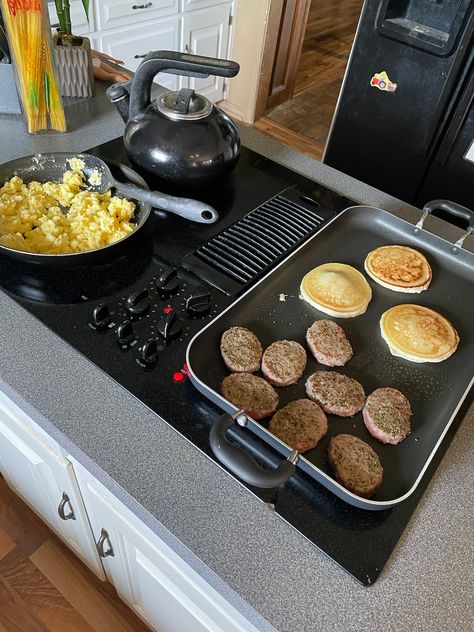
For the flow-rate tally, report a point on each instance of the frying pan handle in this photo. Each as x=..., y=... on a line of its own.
x=452, y=208
x=241, y=463
x=188, y=208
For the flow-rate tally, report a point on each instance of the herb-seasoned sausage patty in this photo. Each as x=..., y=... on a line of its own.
x=300, y=424
x=387, y=415
x=283, y=362
x=250, y=393
x=335, y=393
x=328, y=343
x=355, y=464
x=241, y=350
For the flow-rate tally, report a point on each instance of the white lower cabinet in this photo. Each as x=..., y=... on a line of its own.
x=156, y=583
x=132, y=44
x=148, y=575
x=206, y=32
x=129, y=30
x=45, y=480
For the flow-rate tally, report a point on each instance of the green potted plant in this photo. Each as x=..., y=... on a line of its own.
x=73, y=54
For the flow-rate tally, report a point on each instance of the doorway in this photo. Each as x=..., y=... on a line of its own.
x=304, y=119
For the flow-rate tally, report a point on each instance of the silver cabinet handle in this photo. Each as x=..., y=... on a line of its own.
x=62, y=506
x=104, y=538
x=147, y=5
x=140, y=56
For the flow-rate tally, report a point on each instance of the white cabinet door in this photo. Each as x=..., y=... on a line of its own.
x=114, y=13
x=155, y=582
x=45, y=481
x=132, y=44
x=206, y=32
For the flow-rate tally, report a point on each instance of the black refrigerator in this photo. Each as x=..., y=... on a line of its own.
x=404, y=121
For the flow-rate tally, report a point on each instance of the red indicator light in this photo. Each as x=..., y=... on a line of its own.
x=185, y=367
x=178, y=376
x=167, y=310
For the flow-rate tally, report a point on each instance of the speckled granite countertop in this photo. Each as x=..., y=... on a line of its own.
x=260, y=564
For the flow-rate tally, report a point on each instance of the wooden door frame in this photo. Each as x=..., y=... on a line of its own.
x=293, y=53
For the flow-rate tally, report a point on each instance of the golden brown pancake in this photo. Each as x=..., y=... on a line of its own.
x=336, y=289
x=399, y=268
x=418, y=334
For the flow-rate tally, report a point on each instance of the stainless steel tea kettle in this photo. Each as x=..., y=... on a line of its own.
x=179, y=137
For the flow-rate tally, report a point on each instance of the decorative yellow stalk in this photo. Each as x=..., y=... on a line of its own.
x=29, y=34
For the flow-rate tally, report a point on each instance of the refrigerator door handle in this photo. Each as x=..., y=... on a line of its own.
x=458, y=119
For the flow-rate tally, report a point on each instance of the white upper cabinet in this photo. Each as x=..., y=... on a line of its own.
x=45, y=480
x=206, y=32
x=115, y=13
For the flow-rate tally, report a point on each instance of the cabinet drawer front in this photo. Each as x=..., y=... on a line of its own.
x=131, y=45
x=191, y=5
x=18, y=419
x=80, y=24
x=114, y=13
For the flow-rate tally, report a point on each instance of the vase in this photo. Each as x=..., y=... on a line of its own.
x=74, y=64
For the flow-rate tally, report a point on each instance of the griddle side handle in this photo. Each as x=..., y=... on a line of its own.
x=241, y=463
x=452, y=208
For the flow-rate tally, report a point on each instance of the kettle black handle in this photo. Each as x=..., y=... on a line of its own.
x=176, y=64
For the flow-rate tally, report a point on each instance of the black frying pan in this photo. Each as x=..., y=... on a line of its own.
x=127, y=184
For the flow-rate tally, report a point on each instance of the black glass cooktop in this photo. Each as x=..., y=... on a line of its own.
x=88, y=306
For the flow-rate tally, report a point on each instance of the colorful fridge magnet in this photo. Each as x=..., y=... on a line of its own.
x=381, y=81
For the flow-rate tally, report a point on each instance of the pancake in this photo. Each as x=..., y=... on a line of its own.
x=399, y=268
x=336, y=289
x=418, y=334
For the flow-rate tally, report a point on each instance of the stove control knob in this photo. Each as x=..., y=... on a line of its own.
x=148, y=353
x=125, y=333
x=138, y=302
x=169, y=327
x=101, y=317
x=198, y=304
x=168, y=282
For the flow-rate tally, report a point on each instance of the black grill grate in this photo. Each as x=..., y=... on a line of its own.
x=246, y=250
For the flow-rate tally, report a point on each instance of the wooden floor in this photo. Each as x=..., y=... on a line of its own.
x=44, y=587
x=303, y=122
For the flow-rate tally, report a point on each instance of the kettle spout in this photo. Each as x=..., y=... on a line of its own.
x=119, y=95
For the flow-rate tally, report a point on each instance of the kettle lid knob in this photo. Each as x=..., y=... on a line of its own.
x=185, y=105
x=183, y=100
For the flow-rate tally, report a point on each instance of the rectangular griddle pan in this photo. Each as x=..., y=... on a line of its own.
x=274, y=311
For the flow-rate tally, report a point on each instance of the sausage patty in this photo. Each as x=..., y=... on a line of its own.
x=241, y=350
x=328, y=343
x=250, y=393
x=335, y=393
x=387, y=415
x=300, y=424
x=283, y=362
x=355, y=464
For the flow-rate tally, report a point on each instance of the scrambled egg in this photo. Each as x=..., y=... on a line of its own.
x=61, y=217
